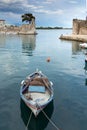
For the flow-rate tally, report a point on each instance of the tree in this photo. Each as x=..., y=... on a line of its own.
x=27, y=17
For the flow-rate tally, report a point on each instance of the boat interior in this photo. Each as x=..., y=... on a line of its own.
x=37, y=88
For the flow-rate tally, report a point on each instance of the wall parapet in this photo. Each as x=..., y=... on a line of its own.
x=23, y=29
x=79, y=27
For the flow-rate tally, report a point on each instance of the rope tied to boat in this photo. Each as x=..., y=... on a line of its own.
x=56, y=127
x=50, y=120
x=28, y=121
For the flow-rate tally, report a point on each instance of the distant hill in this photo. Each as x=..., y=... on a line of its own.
x=52, y=28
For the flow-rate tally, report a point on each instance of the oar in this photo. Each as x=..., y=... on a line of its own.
x=46, y=84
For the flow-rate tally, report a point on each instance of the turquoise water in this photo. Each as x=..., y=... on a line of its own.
x=20, y=55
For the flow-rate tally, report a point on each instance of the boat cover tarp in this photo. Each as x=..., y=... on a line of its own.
x=40, y=89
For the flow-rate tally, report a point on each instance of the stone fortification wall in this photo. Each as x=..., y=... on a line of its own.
x=9, y=29
x=28, y=28
x=79, y=27
x=24, y=29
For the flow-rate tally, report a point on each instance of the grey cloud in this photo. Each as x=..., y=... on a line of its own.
x=16, y=7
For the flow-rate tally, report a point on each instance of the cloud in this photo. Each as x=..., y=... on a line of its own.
x=10, y=1
x=49, y=1
x=12, y=6
x=73, y=1
x=19, y=7
x=47, y=10
x=33, y=7
x=59, y=12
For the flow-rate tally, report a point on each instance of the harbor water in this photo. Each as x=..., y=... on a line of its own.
x=21, y=55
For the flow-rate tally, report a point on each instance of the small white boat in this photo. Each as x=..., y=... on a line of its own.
x=36, y=91
x=83, y=45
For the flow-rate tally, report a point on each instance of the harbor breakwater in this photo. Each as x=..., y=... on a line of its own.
x=79, y=31
x=79, y=38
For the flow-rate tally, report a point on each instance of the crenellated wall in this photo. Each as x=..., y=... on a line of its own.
x=28, y=28
x=79, y=27
x=24, y=29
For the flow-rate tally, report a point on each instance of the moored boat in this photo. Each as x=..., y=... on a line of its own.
x=83, y=45
x=39, y=123
x=36, y=91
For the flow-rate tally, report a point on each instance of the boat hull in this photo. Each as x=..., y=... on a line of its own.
x=38, y=109
x=36, y=106
x=83, y=45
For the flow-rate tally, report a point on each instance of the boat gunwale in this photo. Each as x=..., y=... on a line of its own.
x=32, y=104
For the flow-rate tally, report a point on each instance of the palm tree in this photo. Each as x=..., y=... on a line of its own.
x=27, y=17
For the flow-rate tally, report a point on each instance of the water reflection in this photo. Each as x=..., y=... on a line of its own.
x=75, y=47
x=28, y=44
x=85, y=68
x=2, y=40
x=85, y=81
x=39, y=123
x=84, y=51
x=85, y=64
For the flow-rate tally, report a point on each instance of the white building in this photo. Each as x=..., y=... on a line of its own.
x=2, y=22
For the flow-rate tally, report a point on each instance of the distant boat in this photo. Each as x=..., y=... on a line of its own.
x=36, y=91
x=83, y=45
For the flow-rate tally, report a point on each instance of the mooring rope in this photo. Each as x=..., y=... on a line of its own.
x=48, y=118
x=28, y=121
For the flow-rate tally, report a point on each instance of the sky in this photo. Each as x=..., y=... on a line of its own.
x=52, y=13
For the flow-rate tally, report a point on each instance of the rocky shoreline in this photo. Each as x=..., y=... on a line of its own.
x=79, y=38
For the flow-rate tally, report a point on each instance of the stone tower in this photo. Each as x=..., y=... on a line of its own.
x=28, y=28
x=79, y=27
